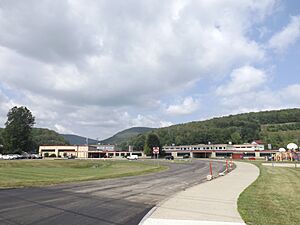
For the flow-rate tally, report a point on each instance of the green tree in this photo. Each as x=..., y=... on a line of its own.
x=42, y=136
x=152, y=140
x=139, y=142
x=123, y=146
x=1, y=142
x=236, y=138
x=17, y=135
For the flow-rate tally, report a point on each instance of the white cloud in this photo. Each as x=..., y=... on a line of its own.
x=188, y=106
x=252, y=101
x=291, y=95
x=149, y=121
x=101, y=51
x=243, y=80
x=91, y=121
x=287, y=36
x=248, y=90
x=62, y=130
x=264, y=99
x=5, y=105
x=98, y=68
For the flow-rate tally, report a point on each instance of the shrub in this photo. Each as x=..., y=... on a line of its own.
x=52, y=155
x=46, y=154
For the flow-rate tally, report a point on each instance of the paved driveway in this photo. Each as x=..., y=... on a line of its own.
x=107, y=202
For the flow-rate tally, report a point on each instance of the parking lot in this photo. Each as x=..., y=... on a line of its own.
x=17, y=156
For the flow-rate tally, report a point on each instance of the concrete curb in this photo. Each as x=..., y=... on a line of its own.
x=213, y=202
x=187, y=222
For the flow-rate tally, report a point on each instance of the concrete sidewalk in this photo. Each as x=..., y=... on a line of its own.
x=213, y=202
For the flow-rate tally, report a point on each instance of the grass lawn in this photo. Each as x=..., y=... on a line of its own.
x=274, y=198
x=27, y=173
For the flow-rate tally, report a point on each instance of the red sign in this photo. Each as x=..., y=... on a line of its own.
x=155, y=150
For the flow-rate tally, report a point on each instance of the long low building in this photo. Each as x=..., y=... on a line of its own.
x=229, y=147
x=194, y=151
x=84, y=151
x=219, y=151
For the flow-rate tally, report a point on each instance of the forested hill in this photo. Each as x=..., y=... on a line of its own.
x=78, y=140
x=43, y=136
x=278, y=127
x=125, y=135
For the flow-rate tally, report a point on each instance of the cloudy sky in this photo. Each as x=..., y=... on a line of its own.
x=93, y=67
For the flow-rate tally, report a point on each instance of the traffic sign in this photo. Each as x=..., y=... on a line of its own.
x=155, y=150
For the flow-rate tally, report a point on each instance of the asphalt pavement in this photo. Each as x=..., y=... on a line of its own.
x=112, y=201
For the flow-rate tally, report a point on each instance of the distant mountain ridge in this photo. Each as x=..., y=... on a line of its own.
x=78, y=140
x=125, y=135
x=116, y=139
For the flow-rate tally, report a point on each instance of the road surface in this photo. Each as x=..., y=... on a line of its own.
x=114, y=201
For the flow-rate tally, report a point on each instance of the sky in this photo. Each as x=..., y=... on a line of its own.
x=96, y=67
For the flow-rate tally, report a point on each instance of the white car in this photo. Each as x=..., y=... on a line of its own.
x=35, y=156
x=133, y=157
x=7, y=157
x=16, y=156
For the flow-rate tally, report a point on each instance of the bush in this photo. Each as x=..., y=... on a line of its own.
x=52, y=155
x=46, y=154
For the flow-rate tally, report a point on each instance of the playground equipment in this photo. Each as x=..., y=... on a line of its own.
x=284, y=154
x=292, y=146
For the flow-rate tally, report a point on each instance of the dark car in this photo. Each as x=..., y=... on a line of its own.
x=186, y=156
x=169, y=157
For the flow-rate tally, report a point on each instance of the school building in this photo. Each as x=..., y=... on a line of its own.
x=252, y=150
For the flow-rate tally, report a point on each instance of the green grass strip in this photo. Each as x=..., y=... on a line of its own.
x=274, y=198
x=47, y=172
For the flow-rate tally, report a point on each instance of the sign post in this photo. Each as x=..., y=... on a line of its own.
x=155, y=151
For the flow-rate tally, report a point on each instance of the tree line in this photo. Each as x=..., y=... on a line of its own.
x=278, y=127
x=238, y=129
x=19, y=135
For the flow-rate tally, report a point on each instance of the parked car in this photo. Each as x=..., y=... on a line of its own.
x=169, y=157
x=133, y=157
x=7, y=157
x=186, y=156
x=16, y=156
x=35, y=156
